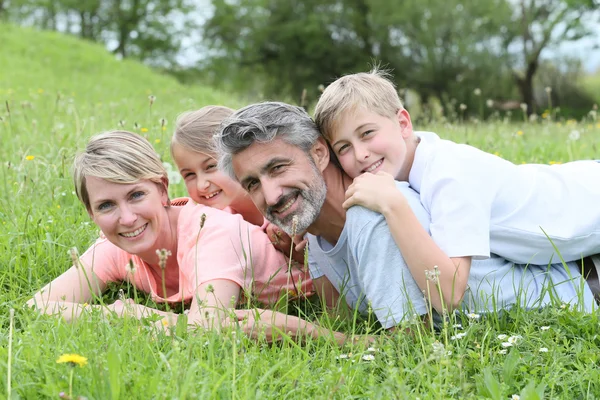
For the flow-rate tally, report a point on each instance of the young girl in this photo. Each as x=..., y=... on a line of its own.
x=193, y=152
x=177, y=251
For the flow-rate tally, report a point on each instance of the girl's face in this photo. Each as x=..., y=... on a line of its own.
x=131, y=216
x=204, y=182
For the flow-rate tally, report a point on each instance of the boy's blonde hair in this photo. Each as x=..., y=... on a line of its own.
x=118, y=157
x=374, y=91
x=194, y=130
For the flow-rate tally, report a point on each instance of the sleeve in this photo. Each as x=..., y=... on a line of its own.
x=103, y=258
x=227, y=247
x=386, y=281
x=459, y=198
x=313, y=260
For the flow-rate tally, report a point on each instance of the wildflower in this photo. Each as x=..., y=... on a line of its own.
x=533, y=117
x=574, y=135
x=458, y=336
x=342, y=357
x=473, y=316
x=543, y=349
x=130, y=267
x=372, y=349
x=507, y=344
x=457, y=326
x=544, y=328
x=321, y=88
x=151, y=99
x=29, y=158
x=72, y=359
x=548, y=89
x=40, y=91
x=502, y=337
x=165, y=322
x=144, y=130
x=163, y=122
x=515, y=397
x=462, y=107
x=210, y=288
x=368, y=357
x=519, y=133
x=163, y=254
x=523, y=107
x=503, y=351
x=432, y=274
x=477, y=92
x=157, y=141
x=515, y=339
x=489, y=103
x=438, y=350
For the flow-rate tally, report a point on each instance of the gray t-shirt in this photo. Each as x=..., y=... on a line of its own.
x=367, y=268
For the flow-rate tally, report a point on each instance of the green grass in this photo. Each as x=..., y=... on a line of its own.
x=60, y=91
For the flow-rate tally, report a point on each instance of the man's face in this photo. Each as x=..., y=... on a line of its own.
x=283, y=182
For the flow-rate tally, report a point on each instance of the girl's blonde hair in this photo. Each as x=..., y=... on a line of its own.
x=118, y=157
x=194, y=130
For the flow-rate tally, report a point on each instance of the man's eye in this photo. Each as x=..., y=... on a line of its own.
x=251, y=185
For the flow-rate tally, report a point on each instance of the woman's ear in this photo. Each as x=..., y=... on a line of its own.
x=163, y=186
x=320, y=153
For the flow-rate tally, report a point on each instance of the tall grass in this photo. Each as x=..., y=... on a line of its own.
x=57, y=91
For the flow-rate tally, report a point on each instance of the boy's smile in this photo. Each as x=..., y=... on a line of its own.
x=365, y=141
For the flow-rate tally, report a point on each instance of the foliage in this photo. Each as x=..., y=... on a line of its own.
x=60, y=91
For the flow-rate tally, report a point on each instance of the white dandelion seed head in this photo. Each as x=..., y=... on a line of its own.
x=489, y=103
x=477, y=92
x=574, y=135
x=462, y=106
x=524, y=107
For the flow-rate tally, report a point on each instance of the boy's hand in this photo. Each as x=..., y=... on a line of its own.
x=373, y=191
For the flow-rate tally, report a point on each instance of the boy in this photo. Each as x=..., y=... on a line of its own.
x=479, y=203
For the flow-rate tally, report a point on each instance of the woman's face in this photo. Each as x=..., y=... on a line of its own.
x=204, y=182
x=131, y=216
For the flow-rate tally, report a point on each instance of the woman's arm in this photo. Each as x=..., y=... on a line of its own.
x=213, y=302
x=380, y=194
x=69, y=293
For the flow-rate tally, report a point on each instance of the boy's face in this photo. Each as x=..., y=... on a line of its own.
x=365, y=141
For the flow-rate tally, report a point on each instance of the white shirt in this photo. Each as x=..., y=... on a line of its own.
x=481, y=204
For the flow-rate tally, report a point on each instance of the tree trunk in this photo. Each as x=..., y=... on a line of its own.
x=525, y=85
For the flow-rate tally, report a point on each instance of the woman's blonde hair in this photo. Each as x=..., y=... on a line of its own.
x=118, y=157
x=194, y=130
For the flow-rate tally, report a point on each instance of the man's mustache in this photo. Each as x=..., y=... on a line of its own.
x=282, y=201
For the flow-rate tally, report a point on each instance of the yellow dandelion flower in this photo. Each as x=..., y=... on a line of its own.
x=72, y=359
x=58, y=206
x=555, y=162
x=165, y=322
x=29, y=158
x=40, y=91
x=144, y=130
x=497, y=154
x=598, y=125
x=545, y=114
x=164, y=128
x=520, y=133
x=157, y=141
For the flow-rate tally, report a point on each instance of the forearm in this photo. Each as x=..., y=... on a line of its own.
x=421, y=254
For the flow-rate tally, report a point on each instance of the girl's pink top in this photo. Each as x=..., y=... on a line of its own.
x=227, y=247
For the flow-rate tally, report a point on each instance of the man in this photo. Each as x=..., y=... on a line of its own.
x=277, y=154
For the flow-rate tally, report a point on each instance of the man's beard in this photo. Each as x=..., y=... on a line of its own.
x=309, y=210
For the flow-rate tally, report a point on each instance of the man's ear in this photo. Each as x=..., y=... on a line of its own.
x=320, y=153
x=405, y=123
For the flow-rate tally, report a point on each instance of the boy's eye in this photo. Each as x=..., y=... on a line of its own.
x=343, y=148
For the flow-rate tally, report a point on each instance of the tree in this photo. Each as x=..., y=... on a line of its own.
x=537, y=25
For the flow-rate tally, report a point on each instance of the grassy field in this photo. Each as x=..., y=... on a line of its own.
x=55, y=92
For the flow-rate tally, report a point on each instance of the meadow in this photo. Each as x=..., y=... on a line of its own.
x=56, y=91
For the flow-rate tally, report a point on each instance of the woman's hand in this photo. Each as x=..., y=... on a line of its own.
x=376, y=192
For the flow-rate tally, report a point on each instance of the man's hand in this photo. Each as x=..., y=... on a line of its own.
x=374, y=191
x=283, y=242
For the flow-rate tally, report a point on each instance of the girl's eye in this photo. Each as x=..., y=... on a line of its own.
x=104, y=206
x=188, y=175
x=211, y=167
x=366, y=133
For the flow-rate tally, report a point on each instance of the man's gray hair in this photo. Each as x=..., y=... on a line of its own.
x=263, y=122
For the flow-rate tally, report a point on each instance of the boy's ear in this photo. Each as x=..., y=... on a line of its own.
x=320, y=153
x=405, y=123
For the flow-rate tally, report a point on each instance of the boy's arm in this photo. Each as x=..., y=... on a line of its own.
x=380, y=194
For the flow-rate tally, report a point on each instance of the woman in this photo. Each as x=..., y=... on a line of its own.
x=176, y=251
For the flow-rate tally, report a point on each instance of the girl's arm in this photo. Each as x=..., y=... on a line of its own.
x=380, y=194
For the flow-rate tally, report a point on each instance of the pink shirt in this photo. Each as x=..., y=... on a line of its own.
x=227, y=247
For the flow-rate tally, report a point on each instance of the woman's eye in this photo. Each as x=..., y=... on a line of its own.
x=137, y=195
x=104, y=206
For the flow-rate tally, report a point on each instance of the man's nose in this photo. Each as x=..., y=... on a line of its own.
x=271, y=191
